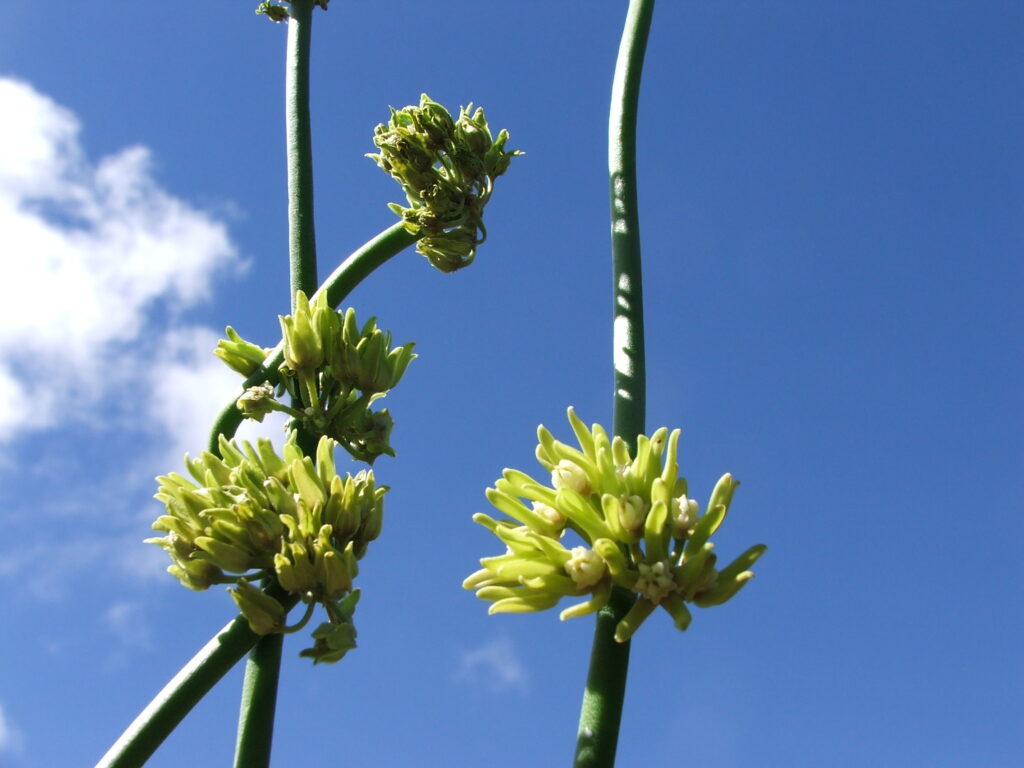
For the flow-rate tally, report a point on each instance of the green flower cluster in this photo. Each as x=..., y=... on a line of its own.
x=644, y=533
x=251, y=514
x=333, y=370
x=447, y=168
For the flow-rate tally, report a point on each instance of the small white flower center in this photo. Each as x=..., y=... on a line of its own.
x=655, y=581
x=585, y=567
x=684, y=516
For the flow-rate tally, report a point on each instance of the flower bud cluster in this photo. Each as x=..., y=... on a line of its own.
x=640, y=529
x=447, y=169
x=333, y=369
x=250, y=514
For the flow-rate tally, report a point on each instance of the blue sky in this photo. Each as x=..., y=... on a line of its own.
x=831, y=210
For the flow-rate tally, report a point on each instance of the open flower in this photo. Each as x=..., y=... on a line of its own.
x=643, y=533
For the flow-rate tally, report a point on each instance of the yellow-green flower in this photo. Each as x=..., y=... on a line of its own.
x=333, y=371
x=641, y=532
x=251, y=515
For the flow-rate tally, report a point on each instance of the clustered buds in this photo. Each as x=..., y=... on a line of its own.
x=251, y=514
x=641, y=532
x=333, y=369
x=447, y=169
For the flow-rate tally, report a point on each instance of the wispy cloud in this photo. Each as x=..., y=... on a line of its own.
x=98, y=264
x=11, y=740
x=92, y=253
x=188, y=386
x=494, y=665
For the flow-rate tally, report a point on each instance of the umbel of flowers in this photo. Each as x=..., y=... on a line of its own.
x=333, y=369
x=447, y=168
x=641, y=531
x=251, y=514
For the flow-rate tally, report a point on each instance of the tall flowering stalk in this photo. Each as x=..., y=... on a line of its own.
x=610, y=527
x=645, y=544
x=601, y=711
x=286, y=530
x=259, y=688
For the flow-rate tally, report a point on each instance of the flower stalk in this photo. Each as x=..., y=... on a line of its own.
x=259, y=689
x=291, y=524
x=299, y=141
x=601, y=711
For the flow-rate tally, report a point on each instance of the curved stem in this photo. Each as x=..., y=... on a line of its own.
x=338, y=285
x=601, y=712
x=155, y=723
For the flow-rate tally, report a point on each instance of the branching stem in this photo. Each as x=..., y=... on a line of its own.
x=338, y=285
x=162, y=715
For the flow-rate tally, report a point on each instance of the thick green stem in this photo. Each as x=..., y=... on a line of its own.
x=301, y=235
x=341, y=282
x=601, y=712
x=259, y=699
x=259, y=689
x=606, y=684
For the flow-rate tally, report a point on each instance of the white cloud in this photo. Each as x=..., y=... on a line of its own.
x=90, y=252
x=188, y=387
x=494, y=665
x=97, y=264
x=10, y=737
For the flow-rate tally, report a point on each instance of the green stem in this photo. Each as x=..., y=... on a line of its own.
x=162, y=715
x=259, y=699
x=301, y=235
x=338, y=285
x=603, y=698
x=263, y=669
